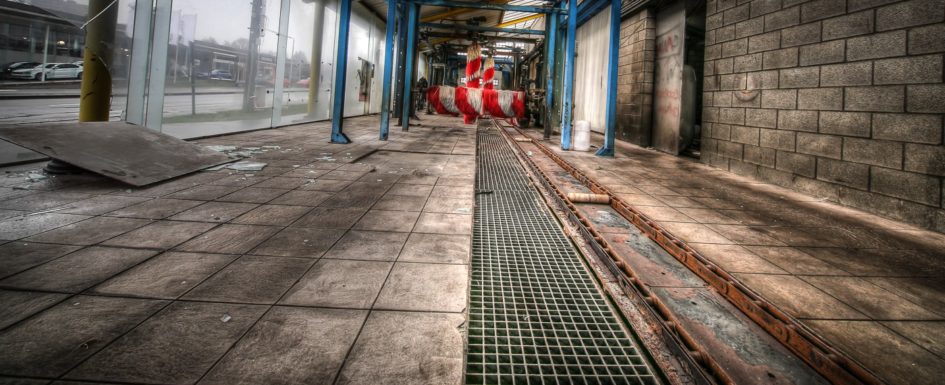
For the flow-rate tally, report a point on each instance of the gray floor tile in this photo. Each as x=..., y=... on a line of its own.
x=368, y=245
x=161, y=234
x=214, y=212
x=299, y=242
x=251, y=279
x=272, y=215
x=400, y=203
x=90, y=231
x=18, y=256
x=309, y=198
x=17, y=305
x=330, y=218
x=155, y=209
x=442, y=288
x=378, y=220
x=50, y=343
x=101, y=204
x=253, y=195
x=399, y=348
x=176, y=346
x=167, y=276
x=436, y=248
x=79, y=270
x=319, y=340
x=437, y=223
x=340, y=283
x=203, y=192
x=229, y=239
x=21, y=227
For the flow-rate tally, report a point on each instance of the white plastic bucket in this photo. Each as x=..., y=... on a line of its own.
x=582, y=135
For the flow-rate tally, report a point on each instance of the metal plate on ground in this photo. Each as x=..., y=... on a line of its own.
x=126, y=152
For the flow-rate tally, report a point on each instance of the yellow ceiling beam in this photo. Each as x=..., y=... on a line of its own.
x=502, y=25
x=520, y=20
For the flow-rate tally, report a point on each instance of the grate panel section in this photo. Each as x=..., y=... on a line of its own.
x=536, y=316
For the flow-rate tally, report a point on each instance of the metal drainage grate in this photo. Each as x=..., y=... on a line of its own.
x=536, y=316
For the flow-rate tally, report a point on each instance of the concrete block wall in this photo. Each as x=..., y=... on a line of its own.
x=635, y=77
x=841, y=99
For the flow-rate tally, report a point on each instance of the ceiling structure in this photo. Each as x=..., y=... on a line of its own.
x=432, y=37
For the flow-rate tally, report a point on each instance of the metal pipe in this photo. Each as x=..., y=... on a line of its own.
x=484, y=5
x=96, y=94
x=408, y=71
x=567, y=93
x=341, y=68
x=318, y=32
x=479, y=28
x=611, y=110
x=550, y=44
x=388, y=68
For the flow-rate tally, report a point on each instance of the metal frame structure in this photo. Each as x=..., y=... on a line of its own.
x=611, y=129
x=568, y=87
x=341, y=68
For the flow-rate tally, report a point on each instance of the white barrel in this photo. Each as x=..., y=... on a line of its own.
x=582, y=135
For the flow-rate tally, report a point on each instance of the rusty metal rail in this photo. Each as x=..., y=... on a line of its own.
x=829, y=362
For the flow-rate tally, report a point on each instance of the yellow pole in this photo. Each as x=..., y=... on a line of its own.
x=95, y=99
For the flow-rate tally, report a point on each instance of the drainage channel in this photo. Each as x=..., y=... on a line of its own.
x=536, y=315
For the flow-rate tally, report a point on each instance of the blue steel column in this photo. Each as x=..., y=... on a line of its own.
x=388, y=68
x=608, y=148
x=341, y=68
x=551, y=26
x=408, y=68
x=567, y=92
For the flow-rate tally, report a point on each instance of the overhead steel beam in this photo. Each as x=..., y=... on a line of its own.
x=453, y=36
x=520, y=20
x=454, y=12
x=479, y=28
x=610, y=131
x=388, y=68
x=567, y=94
x=493, y=6
x=341, y=68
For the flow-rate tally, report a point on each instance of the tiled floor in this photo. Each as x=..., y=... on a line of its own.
x=871, y=286
x=314, y=270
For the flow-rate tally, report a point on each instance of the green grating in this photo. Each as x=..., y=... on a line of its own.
x=536, y=315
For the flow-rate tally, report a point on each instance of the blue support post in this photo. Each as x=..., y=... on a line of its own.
x=388, y=68
x=611, y=131
x=567, y=92
x=341, y=68
x=550, y=44
x=412, y=10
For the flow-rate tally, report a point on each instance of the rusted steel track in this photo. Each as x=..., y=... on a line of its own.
x=829, y=362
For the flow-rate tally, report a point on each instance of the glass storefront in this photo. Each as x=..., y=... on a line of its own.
x=193, y=68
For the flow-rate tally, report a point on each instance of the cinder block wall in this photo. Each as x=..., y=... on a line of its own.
x=841, y=99
x=635, y=77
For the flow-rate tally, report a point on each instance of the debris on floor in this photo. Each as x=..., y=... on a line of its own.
x=245, y=165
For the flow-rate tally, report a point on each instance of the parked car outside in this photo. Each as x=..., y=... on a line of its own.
x=221, y=75
x=7, y=71
x=53, y=71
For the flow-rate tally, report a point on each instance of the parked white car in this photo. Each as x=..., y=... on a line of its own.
x=53, y=71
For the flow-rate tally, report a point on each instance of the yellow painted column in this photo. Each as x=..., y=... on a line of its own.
x=95, y=99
